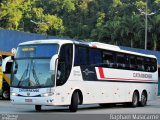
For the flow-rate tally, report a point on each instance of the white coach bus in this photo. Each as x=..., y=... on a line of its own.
x=69, y=73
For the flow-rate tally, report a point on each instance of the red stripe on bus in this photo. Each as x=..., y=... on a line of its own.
x=136, y=80
x=101, y=72
x=94, y=46
x=123, y=79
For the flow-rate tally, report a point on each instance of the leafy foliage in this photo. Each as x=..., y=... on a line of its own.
x=120, y=22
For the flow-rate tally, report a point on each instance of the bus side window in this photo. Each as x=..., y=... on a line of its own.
x=65, y=63
x=95, y=56
x=140, y=63
x=147, y=65
x=127, y=65
x=121, y=61
x=108, y=59
x=81, y=56
x=153, y=65
x=132, y=62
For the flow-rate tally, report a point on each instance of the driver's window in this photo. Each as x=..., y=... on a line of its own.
x=65, y=63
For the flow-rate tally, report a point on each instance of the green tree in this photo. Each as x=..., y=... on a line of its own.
x=131, y=27
x=10, y=14
x=111, y=21
x=99, y=30
x=154, y=30
x=111, y=29
x=46, y=23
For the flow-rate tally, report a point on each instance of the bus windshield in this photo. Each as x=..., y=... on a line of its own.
x=31, y=67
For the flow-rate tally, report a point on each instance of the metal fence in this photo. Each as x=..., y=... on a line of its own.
x=10, y=39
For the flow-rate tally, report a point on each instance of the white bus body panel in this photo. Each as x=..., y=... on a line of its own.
x=102, y=91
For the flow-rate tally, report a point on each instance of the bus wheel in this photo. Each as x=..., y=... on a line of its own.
x=5, y=94
x=74, y=102
x=134, y=102
x=143, y=101
x=38, y=107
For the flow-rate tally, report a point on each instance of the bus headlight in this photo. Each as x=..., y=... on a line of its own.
x=13, y=94
x=47, y=94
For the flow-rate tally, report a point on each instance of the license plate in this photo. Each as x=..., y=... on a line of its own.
x=28, y=100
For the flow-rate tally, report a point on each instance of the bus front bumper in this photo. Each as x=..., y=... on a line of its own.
x=33, y=100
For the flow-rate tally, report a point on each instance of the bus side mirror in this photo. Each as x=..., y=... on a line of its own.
x=53, y=62
x=4, y=63
x=14, y=51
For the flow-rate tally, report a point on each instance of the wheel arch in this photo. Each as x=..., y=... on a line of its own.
x=79, y=94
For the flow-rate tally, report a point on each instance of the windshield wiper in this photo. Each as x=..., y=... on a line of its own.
x=35, y=75
x=24, y=74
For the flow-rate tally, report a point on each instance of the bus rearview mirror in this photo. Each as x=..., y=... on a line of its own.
x=53, y=62
x=4, y=63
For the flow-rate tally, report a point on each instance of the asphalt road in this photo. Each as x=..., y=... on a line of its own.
x=153, y=107
x=85, y=112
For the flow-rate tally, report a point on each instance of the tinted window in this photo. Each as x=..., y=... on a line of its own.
x=153, y=65
x=108, y=59
x=121, y=60
x=111, y=59
x=147, y=64
x=95, y=56
x=132, y=61
x=65, y=63
x=81, y=55
x=66, y=54
x=140, y=63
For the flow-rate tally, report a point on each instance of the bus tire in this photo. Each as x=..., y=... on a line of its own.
x=5, y=94
x=38, y=107
x=74, y=102
x=143, y=101
x=135, y=99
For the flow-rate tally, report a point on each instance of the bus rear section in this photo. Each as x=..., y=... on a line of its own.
x=111, y=75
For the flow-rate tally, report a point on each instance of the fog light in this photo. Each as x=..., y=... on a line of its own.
x=13, y=94
x=46, y=94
